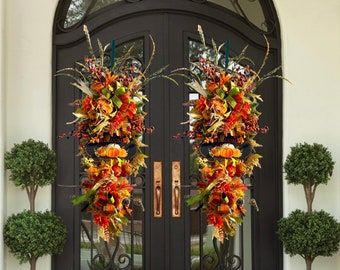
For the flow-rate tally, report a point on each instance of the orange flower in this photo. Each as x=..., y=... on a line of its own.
x=132, y=109
x=218, y=106
x=92, y=171
x=215, y=220
x=231, y=170
x=117, y=170
x=239, y=97
x=219, y=172
x=116, y=122
x=207, y=172
x=129, y=109
x=223, y=79
x=223, y=208
x=86, y=104
x=105, y=106
x=245, y=110
x=201, y=104
x=126, y=169
x=98, y=86
x=101, y=220
x=125, y=98
x=109, y=208
x=230, y=122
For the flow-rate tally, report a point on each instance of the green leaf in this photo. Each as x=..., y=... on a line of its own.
x=106, y=93
x=119, y=91
x=196, y=199
x=86, y=197
x=220, y=93
x=234, y=90
x=140, y=106
x=117, y=101
x=231, y=101
x=80, y=199
x=254, y=106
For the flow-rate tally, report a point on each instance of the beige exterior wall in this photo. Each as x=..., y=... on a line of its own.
x=28, y=71
x=311, y=58
x=2, y=133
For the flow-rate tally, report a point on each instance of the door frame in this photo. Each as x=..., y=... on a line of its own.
x=124, y=10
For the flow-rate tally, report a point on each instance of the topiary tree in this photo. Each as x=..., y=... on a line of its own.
x=32, y=164
x=309, y=235
x=309, y=165
x=31, y=235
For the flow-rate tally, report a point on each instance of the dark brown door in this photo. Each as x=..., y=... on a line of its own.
x=256, y=244
x=168, y=241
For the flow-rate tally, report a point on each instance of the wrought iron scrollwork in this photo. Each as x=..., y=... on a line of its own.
x=111, y=262
x=225, y=259
x=209, y=261
x=124, y=261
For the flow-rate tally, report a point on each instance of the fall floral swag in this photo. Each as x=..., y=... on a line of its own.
x=109, y=124
x=224, y=122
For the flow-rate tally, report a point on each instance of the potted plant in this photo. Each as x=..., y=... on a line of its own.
x=312, y=233
x=29, y=234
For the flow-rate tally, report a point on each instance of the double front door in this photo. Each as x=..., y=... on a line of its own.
x=163, y=232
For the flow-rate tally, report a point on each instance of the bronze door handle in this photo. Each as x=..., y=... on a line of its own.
x=158, y=200
x=157, y=185
x=176, y=206
x=176, y=189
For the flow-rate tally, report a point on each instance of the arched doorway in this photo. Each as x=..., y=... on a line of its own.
x=164, y=241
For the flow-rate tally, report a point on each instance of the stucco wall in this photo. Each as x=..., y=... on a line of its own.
x=2, y=133
x=28, y=92
x=311, y=42
x=311, y=58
